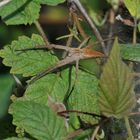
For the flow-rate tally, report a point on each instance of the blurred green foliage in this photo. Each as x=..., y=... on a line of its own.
x=6, y=86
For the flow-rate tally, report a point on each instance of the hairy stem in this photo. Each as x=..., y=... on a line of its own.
x=95, y=132
x=42, y=33
x=128, y=128
x=135, y=31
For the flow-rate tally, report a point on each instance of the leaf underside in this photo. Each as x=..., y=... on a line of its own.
x=116, y=97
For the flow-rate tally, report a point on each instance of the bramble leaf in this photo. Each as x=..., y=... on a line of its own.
x=130, y=52
x=51, y=84
x=84, y=96
x=116, y=97
x=38, y=120
x=29, y=62
x=20, y=12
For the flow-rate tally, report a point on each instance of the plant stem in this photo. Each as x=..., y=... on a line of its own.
x=110, y=35
x=82, y=32
x=135, y=31
x=4, y=2
x=128, y=128
x=42, y=33
x=95, y=133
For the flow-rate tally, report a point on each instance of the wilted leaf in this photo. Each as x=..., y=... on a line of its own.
x=130, y=52
x=116, y=97
x=38, y=120
x=51, y=85
x=84, y=96
x=134, y=7
x=6, y=86
x=20, y=12
x=30, y=62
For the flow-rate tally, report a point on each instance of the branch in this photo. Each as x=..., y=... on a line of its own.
x=4, y=2
x=42, y=33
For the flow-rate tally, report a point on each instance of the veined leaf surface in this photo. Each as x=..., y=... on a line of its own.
x=30, y=62
x=84, y=96
x=116, y=97
x=38, y=120
x=51, y=85
x=20, y=12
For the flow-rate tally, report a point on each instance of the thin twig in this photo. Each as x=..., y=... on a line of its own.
x=111, y=23
x=134, y=113
x=39, y=28
x=136, y=74
x=90, y=22
x=68, y=44
x=4, y=2
x=135, y=32
x=82, y=32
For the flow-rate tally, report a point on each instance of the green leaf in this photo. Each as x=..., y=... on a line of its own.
x=134, y=7
x=91, y=66
x=38, y=120
x=116, y=97
x=20, y=12
x=84, y=96
x=30, y=62
x=51, y=2
x=15, y=138
x=130, y=52
x=6, y=86
x=50, y=84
